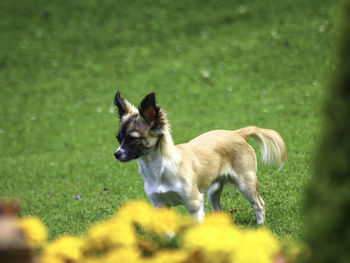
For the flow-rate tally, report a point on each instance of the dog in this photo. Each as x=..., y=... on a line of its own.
x=181, y=174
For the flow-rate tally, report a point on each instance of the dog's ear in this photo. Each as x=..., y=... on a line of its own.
x=124, y=107
x=149, y=110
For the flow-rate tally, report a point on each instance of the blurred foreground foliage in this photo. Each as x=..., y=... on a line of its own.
x=140, y=233
x=328, y=196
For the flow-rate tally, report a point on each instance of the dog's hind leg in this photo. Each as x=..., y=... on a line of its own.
x=248, y=186
x=213, y=193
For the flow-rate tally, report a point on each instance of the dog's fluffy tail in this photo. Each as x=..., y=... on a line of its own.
x=273, y=149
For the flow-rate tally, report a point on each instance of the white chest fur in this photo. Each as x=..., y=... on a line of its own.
x=162, y=187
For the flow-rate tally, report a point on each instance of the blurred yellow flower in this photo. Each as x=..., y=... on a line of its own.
x=167, y=221
x=111, y=233
x=217, y=240
x=136, y=211
x=92, y=260
x=256, y=246
x=218, y=219
x=169, y=256
x=129, y=254
x=212, y=241
x=156, y=220
x=66, y=248
x=34, y=230
x=117, y=240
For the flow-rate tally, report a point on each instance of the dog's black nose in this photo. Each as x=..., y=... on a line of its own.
x=118, y=154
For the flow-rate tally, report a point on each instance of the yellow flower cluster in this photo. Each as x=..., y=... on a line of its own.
x=112, y=233
x=217, y=240
x=64, y=249
x=141, y=234
x=157, y=221
x=34, y=230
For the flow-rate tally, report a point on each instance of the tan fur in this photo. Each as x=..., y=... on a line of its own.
x=130, y=110
x=225, y=154
x=212, y=154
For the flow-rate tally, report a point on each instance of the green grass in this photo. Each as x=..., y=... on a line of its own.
x=61, y=63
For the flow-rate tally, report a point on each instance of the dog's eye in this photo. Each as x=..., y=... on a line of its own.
x=131, y=138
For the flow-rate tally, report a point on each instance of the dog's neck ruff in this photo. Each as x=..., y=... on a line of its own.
x=165, y=154
x=160, y=181
x=158, y=166
x=167, y=147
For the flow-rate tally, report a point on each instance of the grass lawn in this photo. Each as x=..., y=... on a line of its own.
x=212, y=64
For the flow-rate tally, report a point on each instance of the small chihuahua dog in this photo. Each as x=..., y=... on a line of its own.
x=180, y=174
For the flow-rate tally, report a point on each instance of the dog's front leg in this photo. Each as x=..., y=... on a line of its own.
x=195, y=206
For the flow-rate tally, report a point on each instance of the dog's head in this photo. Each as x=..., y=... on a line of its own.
x=140, y=129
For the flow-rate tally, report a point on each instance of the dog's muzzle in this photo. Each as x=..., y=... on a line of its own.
x=118, y=155
x=121, y=155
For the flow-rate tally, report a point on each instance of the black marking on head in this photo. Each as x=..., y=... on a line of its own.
x=133, y=146
x=124, y=127
x=139, y=132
